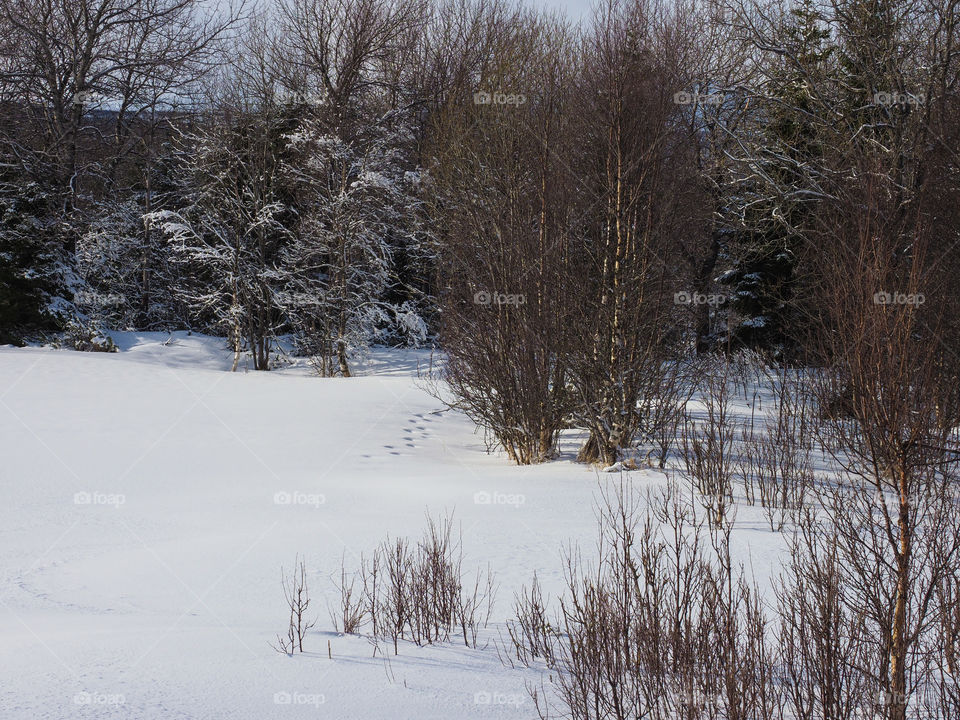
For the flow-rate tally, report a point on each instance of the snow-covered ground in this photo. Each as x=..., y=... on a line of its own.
x=150, y=498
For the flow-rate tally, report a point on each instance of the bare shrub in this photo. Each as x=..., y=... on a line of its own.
x=297, y=595
x=707, y=446
x=420, y=592
x=949, y=602
x=946, y=695
x=394, y=609
x=893, y=508
x=664, y=626
x=748, y=369
x=821, y=639
x=776, y=459
x=352, y=609
x=532, y=632
x=663, y=406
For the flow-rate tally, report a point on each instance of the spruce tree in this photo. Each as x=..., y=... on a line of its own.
x=775, y=204
x=27, y=266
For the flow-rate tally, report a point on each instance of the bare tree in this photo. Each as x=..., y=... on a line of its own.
x=297, y=596
x=893, y=431
x=508, y=285
x=641, y=179
x=95, y=77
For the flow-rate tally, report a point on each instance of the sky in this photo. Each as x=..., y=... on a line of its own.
x=575, y=9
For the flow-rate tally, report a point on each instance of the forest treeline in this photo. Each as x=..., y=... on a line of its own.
x=564, y=207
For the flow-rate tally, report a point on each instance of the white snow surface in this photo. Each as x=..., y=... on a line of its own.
x=150, y=498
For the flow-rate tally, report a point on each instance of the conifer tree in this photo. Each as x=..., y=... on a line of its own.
x=777, y=201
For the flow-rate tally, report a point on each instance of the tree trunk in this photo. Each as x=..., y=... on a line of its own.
x=342, y=359
x=898, y=640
